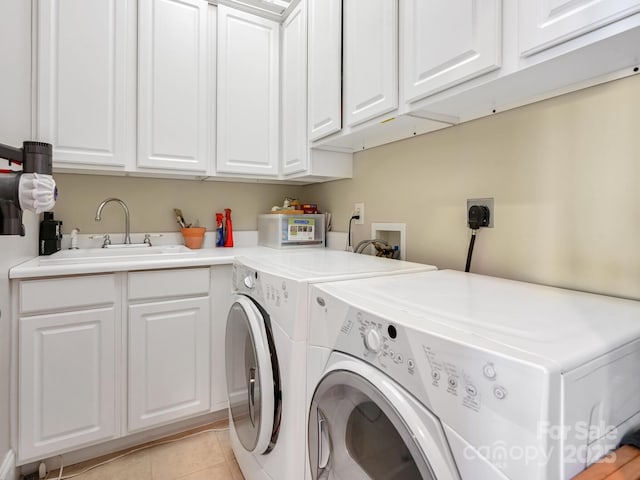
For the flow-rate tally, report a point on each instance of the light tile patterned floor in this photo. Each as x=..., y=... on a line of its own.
x=206, y=456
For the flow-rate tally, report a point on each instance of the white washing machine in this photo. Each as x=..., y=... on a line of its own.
x=449, y=375
x=266, y=352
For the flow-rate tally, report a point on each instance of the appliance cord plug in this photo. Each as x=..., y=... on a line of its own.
x=478, y=216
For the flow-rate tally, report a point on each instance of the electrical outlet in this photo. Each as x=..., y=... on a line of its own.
x=487, y=202
x=358, y=209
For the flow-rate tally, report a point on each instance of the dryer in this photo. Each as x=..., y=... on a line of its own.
x=449, y=375
x=265, y=351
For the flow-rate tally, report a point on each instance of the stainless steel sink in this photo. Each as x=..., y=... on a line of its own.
x=90, y=255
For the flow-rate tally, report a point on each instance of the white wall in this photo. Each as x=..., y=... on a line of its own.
x=15, y=127
x=565, y=176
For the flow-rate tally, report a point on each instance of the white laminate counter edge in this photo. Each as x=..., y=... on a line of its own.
x=245, y=241
x=204, y=257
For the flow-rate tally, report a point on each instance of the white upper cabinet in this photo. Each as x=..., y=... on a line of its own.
x=298, y=160
x=447, y=43
x=182, y=87
x=173, y=131
x=86, y=81
x=370, y=32
x=546, y=23
x=294, y=89
x=325, y=67
x=248, y=93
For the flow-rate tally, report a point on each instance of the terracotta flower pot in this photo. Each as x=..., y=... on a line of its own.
x=193, y=236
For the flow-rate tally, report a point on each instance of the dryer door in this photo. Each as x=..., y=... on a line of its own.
x=252, y=381
x=362, y=426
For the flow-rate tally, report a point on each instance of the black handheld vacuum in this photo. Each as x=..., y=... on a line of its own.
x=33, y=188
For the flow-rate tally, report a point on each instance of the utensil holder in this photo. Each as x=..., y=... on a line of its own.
x=193, y=236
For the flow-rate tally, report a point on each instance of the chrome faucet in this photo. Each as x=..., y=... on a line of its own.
x=127, y=237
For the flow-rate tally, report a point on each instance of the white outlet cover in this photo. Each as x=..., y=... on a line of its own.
x=359, y=207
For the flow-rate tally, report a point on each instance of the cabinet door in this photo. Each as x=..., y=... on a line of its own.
x=221, y=278
x=294, y=92
x=248, y=103
x=546, y=23
x=446, y=43
x=169, y=366
x=86, y=81
x=172, y=97
x=370, y=59
x=325, y=67
x=66, y=381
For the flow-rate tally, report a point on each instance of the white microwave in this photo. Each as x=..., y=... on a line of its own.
x=279, y=230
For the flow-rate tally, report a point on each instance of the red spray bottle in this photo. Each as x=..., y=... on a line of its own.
x=219, y=230
x=228, y=228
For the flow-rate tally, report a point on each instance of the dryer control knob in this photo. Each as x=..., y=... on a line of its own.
x=249, y=281
x=373, y=340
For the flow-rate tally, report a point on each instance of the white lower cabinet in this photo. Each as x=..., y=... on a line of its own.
x=102, y=356
x=67, y=364
x=67, y=382
x=221, y=278
x=168, y=364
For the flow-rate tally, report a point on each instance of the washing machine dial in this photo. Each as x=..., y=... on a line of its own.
x=373, y=340
x=249, y=281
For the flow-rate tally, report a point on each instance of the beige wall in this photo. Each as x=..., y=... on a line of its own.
x=565, y=175
x=151, y=202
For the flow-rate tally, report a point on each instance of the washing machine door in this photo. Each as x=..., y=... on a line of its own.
x=252, y=375
x=362, y=426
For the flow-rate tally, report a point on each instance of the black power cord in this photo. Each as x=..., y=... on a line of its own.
x=353, y=217
x=478, y=217
x=472, y=242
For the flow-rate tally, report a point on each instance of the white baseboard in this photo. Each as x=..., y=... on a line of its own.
x=8, y=468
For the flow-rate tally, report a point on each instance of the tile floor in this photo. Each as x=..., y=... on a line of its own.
x=205, y=456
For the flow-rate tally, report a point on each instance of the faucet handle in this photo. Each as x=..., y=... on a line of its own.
x=147, y=239
x=107, y=241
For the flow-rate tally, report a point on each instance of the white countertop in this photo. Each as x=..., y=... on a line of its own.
x=246, y=245
x=47, y=266
x=40, y=266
